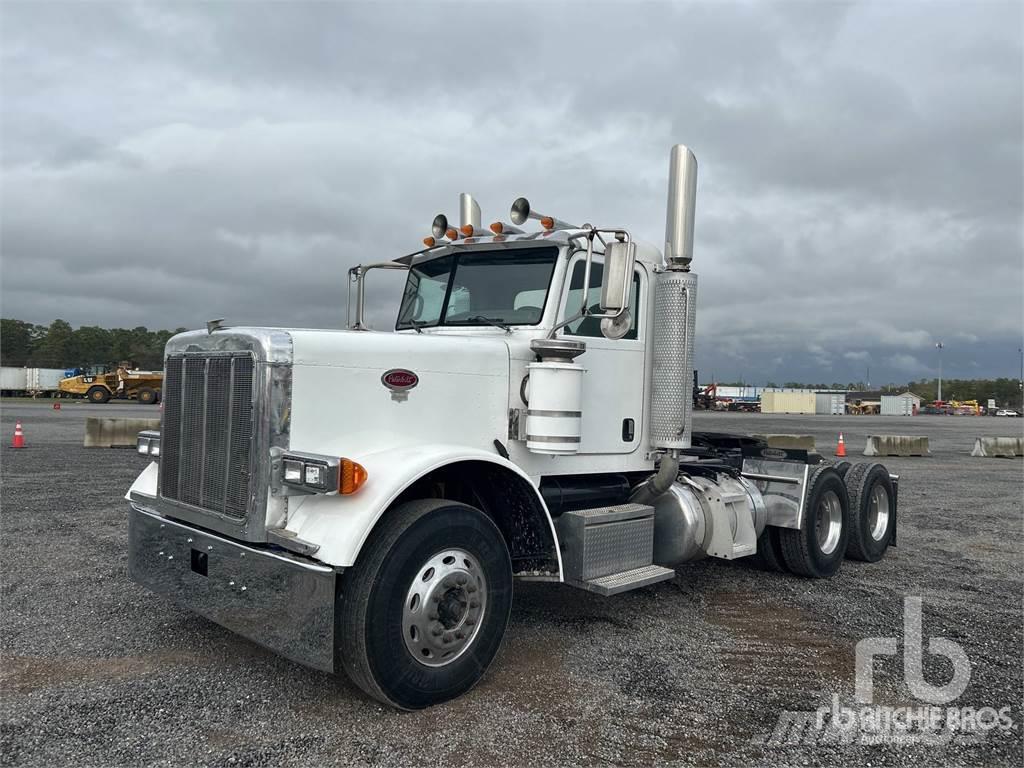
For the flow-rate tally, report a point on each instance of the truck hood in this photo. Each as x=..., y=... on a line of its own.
x=344, y=402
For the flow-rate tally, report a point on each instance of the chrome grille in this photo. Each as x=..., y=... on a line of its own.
x=207, y=431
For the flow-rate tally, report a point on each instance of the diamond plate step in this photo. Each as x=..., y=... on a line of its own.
x=615, y=583
x=613, y=514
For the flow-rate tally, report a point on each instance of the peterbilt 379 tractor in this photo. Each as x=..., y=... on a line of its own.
x=363, y=501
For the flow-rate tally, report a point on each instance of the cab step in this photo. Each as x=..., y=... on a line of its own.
x=615, y=583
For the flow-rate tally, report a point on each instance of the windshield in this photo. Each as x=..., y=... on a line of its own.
x=506, y=287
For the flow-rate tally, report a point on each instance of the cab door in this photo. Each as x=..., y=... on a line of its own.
x=613, y=385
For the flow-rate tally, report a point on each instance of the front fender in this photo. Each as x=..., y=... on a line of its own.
x=340, y=525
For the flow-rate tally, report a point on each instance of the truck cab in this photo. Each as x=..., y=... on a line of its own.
x=363, y=500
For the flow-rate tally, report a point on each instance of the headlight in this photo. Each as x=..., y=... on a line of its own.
x=315, y=473
x=292, y=471
x=148, y=443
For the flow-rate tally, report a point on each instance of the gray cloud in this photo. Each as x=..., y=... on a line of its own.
x=860, y=192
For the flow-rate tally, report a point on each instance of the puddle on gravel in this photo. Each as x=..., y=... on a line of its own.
x=770, y=642
x=30, y=673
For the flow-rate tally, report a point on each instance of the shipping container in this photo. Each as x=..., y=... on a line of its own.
x=830, y=403
x=906, y=404
x=13, y=379
x=788, y=402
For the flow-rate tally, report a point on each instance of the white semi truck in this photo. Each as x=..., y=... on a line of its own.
x=363, y=501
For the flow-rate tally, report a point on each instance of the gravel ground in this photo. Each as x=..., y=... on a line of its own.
x=695, y=671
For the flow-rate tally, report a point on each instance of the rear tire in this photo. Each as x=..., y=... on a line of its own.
x=414, y=629
x=147, y=396
x=769, y=551
x=98, y=394
x=817, y=548
x=842, y=467
x=872, y=517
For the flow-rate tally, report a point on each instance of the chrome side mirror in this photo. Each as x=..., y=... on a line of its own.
x=617, y=276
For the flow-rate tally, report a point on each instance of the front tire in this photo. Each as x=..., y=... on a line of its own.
x=818, y=547
x=423, y=612
x=147, y=396
x=98, y=394
x=872, y=516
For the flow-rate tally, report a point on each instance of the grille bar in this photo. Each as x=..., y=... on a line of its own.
x=208, y=430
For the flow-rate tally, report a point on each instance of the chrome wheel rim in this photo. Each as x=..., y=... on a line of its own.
x=444, y=607
x=878, y=512
x=828, y=523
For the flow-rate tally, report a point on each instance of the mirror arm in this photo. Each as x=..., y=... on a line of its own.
x=358, y=274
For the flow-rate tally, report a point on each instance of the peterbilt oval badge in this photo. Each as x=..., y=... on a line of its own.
x=773, y=453
x=399, y=381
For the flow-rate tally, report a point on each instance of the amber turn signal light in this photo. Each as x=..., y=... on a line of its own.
x=351, y=476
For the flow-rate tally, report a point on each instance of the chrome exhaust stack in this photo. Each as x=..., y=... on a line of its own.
x=675, y=312
x=469, y=217
x=682, y=203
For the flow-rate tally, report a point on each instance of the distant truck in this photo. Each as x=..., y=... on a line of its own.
x=124, y=383
x=30, y=382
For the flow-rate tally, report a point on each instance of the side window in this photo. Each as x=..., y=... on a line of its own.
x=591, y=326
x=425, y=289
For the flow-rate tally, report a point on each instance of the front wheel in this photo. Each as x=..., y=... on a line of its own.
x=818, y=547
x=98, y=394
x=423, y=612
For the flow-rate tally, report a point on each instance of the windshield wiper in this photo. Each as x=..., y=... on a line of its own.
x=416, y=325
x=489, y=321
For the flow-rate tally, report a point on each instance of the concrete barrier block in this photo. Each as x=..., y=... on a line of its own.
x=115, y=433
x=1003, y=447
x=802, y=442
x=897, y=445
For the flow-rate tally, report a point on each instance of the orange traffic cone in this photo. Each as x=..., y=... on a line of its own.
x=19, y=436
x=841, y=447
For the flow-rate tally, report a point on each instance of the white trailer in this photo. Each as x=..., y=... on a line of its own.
x=30, y=381
x=13, y=380
x=363, y=501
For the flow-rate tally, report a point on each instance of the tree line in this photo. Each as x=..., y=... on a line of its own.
x=58, y=345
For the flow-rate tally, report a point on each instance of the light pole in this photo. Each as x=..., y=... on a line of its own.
x=1020, y=351
x=938, y=346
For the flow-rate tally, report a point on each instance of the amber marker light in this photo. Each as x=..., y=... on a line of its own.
x=547, y=222
x=496, y=228
x=351, y=476
x=451, y=234
x=429, y=242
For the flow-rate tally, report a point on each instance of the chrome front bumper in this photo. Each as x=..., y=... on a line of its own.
x=274, y=599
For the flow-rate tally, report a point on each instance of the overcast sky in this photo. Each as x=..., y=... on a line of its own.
x=860, y=192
